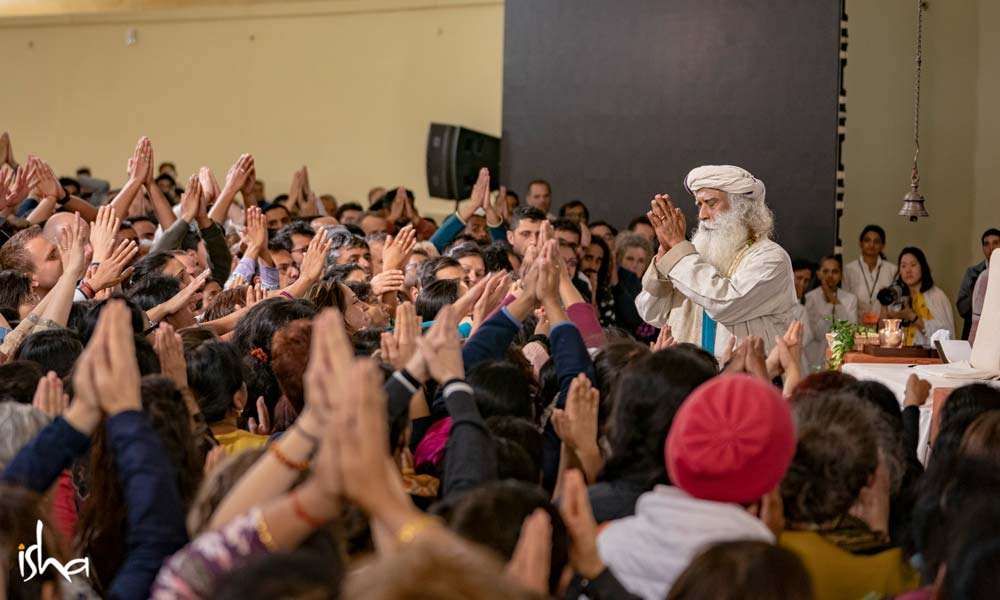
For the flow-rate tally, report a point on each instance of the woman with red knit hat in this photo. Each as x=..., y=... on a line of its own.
x=726, y=453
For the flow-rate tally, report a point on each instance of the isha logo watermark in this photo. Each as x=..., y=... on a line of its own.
x=31, y=557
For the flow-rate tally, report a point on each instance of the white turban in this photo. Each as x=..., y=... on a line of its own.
x=727, y=178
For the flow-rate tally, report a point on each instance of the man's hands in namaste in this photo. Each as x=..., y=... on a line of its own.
x=668, y=221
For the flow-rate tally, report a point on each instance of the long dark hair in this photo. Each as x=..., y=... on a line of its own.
x=926, y=279
x=646, y=398
x=102, y=526
x=604, y=271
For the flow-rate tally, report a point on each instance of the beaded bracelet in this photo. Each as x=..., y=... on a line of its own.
x=301, y=513
x=283, y=459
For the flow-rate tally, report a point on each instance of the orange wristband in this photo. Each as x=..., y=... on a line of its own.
x=291, y=464
x=301, y=513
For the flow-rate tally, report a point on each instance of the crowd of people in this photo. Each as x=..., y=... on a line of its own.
x=207, y=392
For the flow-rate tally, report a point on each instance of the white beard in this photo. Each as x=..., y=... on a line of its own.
x=720, y=242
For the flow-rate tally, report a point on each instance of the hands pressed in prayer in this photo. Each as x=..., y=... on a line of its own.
x=668, y=221
x=49, y=397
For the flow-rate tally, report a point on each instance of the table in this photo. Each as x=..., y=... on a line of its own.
x=861, y=357
x=894, y=377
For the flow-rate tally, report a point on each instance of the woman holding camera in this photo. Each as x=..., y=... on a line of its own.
x=922, y=306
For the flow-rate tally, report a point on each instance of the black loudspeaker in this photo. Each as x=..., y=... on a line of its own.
x=455, y=155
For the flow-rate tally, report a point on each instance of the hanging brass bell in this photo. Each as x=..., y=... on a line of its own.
x=913, y=205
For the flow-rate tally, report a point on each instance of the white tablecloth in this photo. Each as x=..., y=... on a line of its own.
x=894, y=377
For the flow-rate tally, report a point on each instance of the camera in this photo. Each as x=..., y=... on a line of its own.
x=890, y=295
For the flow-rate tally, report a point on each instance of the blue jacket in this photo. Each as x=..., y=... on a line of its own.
x=452, y=226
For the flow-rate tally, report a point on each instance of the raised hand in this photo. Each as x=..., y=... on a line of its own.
x=170, y=350
x=400, y=344
x=248, y=185
x=734, y=358
x=480, y=195
x=254, y=294
x=107, y=370
x=504, y=208
x=531, y=561
x=264, y=427
x=44, y=179
x=103, y=231
x=399, y=204
x=664, y=339
x=238, y=174
x=17, y=187
x=668, y=221
x=576, y=425
x=578, y=516
x=787, y=352
x=358, y=437
x=6, y=151
x=441, y=347
x=150, y=179
x=315, y=257
x=388, y=281
x=917, y=391
x=464, y=305
x=398, y=248
x=209, y=187
x=140, y=165
x=497, y=286
x=191, y=200
x=331, y=357
x=749, y=358
x=72, y=248
x=549, y=272
x=113, y=269
x=255, y=232
x=183, y=298
x=295, y=191
x=49, y=397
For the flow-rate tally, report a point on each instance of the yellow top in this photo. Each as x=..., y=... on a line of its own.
x=839, y=575
x=919, y=305
x=238, y=440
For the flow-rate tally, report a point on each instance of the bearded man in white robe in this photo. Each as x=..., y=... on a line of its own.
x=731, y=279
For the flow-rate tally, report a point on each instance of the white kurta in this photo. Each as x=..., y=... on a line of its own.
x=820, y=314
x=865, y=284
x=757, y=299
x=799, y=314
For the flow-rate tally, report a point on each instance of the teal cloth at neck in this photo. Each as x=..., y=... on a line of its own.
x=707, y=333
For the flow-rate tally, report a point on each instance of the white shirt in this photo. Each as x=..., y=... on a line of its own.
x=865, y=284
x=649, y=550
x=757, y=299
x=820, y=314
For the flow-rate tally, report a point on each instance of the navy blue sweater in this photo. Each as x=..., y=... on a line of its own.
x=155, y=513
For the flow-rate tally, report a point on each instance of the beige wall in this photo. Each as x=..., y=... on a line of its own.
x=986, y=208
x=348, y=87
x=961, y=49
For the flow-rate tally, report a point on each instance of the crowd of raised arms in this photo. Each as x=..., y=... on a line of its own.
x=210, y=392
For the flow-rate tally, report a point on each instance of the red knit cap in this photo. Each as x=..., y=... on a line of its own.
x=731, y=441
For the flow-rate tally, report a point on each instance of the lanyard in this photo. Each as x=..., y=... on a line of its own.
x=864, y=274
